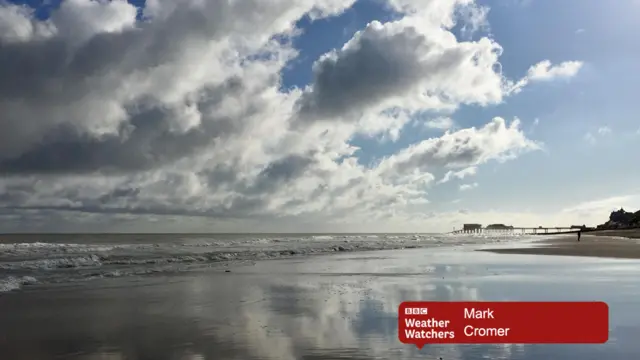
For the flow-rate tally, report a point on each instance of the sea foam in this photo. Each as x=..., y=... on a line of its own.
x=126, y=255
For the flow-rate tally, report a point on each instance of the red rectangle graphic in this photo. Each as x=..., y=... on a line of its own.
x=423, y=322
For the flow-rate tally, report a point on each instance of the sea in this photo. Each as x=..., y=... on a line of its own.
x=285, y=296
x=46, y=259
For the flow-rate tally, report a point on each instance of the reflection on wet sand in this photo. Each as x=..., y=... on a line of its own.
x=317, y=308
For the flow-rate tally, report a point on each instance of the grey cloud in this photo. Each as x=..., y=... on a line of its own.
x=463, y=148
x=168, y=195
x=462, y=151
x=55, y=91
x=398, y=59
x=280, y=172
x=374, y=65
x=181, y=115
x=146, y=141
x=119, y=193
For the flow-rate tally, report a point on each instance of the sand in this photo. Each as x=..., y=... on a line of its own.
x=620, y=244
x=341, y=306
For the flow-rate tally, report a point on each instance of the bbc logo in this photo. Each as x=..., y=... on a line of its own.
x=416, y=311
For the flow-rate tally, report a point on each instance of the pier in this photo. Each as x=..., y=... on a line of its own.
x=503, y=229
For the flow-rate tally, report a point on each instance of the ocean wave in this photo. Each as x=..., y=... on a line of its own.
x=48, y=263
x=55, y=262
x=322, y=237
x=27, y=249
x=15, y=283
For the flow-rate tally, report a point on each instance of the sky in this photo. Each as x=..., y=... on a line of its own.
x=316, y=115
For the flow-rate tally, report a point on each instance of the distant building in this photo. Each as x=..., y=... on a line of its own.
x=471, y=227
x=499, y=227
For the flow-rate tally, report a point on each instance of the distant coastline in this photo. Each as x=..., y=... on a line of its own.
x=613, y=239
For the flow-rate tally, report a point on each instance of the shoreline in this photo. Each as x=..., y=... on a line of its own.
x=617, y=244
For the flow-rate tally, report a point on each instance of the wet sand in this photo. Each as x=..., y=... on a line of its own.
x=340, y=306
x=630, y=233
x=620, y=244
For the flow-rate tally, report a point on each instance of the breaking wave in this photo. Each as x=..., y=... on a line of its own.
x=120, y=255
x=15, y=283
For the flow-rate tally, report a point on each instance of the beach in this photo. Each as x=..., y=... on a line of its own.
x=620, y=244
x=338, y=306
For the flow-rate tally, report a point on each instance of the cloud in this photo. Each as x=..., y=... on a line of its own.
x=307, y=185
x=440, y=123
x=579, y=31
x=588, y=137
x=475, y=19
x=464, y=148
x=108, y=92
x=401, y=64
x=545, y=71
x=604, y=130
x=181, y=114
x=470, y=171
x=601, y=131
x=17, y=24
x=465, y=187
x=603, y=207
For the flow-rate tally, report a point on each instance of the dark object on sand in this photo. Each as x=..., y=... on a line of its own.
x=579, y=233
x=227, y=271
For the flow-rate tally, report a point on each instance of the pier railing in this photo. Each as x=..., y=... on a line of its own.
x=522, y=230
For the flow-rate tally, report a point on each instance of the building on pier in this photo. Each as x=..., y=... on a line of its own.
x=499, y=227
x=472, y=227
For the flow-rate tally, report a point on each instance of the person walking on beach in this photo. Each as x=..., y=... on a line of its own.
x=579, y=233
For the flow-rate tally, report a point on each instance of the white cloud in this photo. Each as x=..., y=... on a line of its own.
x=545, y=71
x=17, y=25
x=604, y=130
x=580, y=31
x=182, y=114
x=440, y=123
x=588, y=137
x=465, y=187
x=606, y=205
x=475, y=19
x=463, y=148
x=470, y=171
x=402, y=64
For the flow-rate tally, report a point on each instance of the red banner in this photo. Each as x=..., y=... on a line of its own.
x=426, y=322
